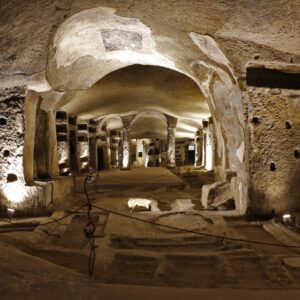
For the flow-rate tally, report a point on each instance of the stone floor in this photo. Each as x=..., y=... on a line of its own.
x=158, y=259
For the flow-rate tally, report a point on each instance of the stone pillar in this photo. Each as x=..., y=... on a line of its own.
x=171, y=147
x=126, y=142
x=52, y=149
x=108, y=149
x=93, y=144
x=208, y=145
x=126, y=149
x=172, y=122
x=203, y=149
x=198, y=148
x=31, y=102
x=82, y=146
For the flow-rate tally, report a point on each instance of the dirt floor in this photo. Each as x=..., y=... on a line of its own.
x=137, y=259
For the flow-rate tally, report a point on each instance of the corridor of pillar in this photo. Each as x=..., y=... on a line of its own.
x=90, y=143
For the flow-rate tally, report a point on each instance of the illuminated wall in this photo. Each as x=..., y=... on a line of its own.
x=12, y=184
x=126, y=149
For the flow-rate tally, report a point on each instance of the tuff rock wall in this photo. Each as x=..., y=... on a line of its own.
x=240, y=29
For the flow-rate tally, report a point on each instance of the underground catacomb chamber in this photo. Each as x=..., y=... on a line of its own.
x=169, y=140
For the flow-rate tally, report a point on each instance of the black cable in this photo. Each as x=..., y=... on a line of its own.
x=64, y=217
x=90, y=228
x=193, y=231
x=163, y=225
x=53, y=220
x=52, y=192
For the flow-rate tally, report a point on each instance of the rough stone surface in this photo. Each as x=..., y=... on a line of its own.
x=212, y=42
x=11, y=135
x=274, y=141
x=216, y=194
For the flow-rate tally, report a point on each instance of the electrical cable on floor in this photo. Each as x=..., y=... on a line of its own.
x=90, y=228
x=163, y=225
x=52, y=192
x=193, y=231
x=53, y=220
x=62, y=218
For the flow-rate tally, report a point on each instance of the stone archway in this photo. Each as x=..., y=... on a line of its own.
x=212, y=73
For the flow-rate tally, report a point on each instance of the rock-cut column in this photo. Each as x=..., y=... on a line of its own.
x=171, y=147
x=172, y=122
x=126, y=148
x=198, y=148
x=126, y=141
x=208, y=158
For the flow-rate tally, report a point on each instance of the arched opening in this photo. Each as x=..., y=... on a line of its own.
x=148, y=134
x=109, y=130
x=113, y=106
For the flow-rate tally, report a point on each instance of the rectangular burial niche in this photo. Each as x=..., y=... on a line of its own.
x=61, y=115
x=3, y=121
x=263, y=77
x=82, y=138
x=92, y=129
x=62, y=138
x=73, y=120
x=61, y=128
x=272, y=166
x=93, y=122
x=82, y=126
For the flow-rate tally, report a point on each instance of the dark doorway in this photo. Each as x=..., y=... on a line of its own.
x=100, y=153
x=191, y=154
x=92, y=148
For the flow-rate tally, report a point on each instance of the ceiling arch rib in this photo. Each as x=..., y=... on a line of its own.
x=135, y=89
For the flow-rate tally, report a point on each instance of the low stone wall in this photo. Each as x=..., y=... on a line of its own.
x=32, y=198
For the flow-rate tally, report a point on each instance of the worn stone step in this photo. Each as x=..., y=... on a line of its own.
x=131, y=269
x=277, y=272
x=196, y=271
x=74, y=236
x=161, y=244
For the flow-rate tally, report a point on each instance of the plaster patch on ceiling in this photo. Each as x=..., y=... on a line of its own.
x=117, y=39
x=102, y=35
